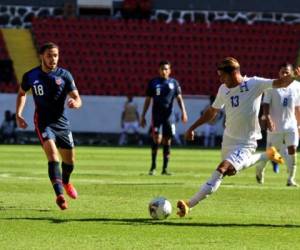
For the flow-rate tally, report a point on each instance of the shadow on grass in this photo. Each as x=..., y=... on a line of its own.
x=148, y=221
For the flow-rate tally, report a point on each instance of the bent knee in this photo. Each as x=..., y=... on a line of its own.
x=226, y=168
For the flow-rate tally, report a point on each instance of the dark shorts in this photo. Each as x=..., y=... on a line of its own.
x=63, y=137
x=164, y=127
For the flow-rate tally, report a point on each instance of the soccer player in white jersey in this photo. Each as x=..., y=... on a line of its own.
x=280, y=107
x=241, y=98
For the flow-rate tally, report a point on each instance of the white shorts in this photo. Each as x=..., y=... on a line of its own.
x=277, y=139
x=239, y=156
x=130, y=127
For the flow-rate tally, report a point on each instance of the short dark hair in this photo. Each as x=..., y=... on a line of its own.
x=228, y=65
x=47, y=45
x=286, y=65
x=164, y=62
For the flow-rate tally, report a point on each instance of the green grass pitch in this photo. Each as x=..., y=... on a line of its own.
x=114, y=191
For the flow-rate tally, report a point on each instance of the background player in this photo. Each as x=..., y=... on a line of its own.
x=130, y=122
x=162, y=90
x=241, y=97
x=50, y=86
x=279, y=107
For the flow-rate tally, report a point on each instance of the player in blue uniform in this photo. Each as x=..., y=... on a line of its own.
x=162, y=91
x=50, y=86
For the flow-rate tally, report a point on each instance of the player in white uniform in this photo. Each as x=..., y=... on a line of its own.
x=279, y=113
x=241, y=98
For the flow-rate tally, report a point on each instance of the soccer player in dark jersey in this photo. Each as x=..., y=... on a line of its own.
x=162, y=91
x=51, y=86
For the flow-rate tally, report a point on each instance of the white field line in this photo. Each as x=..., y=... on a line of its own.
x=157, y=182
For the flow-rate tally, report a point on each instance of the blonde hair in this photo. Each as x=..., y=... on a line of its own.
x=228, y=64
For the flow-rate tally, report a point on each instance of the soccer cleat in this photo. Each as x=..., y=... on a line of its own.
x=275, y=167
x=292, y=184
x=183, y=208
x=61, y=202
x=259, y=179
x=273, y=155
x=70, y=190
x=165, y=172
x=152, y=172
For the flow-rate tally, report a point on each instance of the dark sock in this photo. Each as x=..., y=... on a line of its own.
x=55, y=177
x=166, y=153
x=154, y=148
x=67, y=169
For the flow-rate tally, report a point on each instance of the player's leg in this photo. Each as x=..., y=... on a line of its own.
x=234, y=161
x=65, y=144
x=274, y=143
x=47, y=138
x=156, y=140
x=166, y=142
x=135, y=128
x=123, y=136
x=54, y=172
x=291, y=158
x=261, y=165
x=211, y=186
x=168, y=132
x=68, y=159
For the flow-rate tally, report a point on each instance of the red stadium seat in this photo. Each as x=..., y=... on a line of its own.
x=123, y=55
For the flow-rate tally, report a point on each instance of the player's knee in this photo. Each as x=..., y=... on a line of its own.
x=166, y=141
x=226, y=168
x=291, y=150
x=157, y=139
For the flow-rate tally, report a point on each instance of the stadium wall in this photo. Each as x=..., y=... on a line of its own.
x=289, y=6
x=101, y=114
x=37, y=3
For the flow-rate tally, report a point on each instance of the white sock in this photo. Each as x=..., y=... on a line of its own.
x=260, y=168
x=292, y=167
x=208, y=188
x=255, y=158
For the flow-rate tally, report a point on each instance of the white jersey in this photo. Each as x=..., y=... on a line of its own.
x=282, y=106
x=242, y=104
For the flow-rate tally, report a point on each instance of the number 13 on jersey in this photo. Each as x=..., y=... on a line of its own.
x=235, y=101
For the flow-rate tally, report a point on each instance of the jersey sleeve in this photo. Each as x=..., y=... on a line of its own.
x=25, y=83
x=70, y=83
x=267, y=96
x=219, y=101
x=263, y=83
x=297, y=93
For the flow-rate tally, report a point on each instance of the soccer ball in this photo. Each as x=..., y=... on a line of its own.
x=160, y=208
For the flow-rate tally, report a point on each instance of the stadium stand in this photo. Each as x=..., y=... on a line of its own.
x=118, y=57
x=7, y=76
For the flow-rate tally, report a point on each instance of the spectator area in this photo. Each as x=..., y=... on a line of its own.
x=119, y=57
x=7, y=77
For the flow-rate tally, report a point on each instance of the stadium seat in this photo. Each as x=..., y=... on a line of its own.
x=124, y=54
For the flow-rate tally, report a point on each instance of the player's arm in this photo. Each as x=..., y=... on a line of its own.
x=20, y=104
x=207, y=116
x=287, y=80
x=181, y=105
x=74, y=102
x=266, y=117
x=145, y=109
x=297, y=114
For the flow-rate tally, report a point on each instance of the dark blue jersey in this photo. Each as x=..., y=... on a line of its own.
x=163, y=91
x=49, y=92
